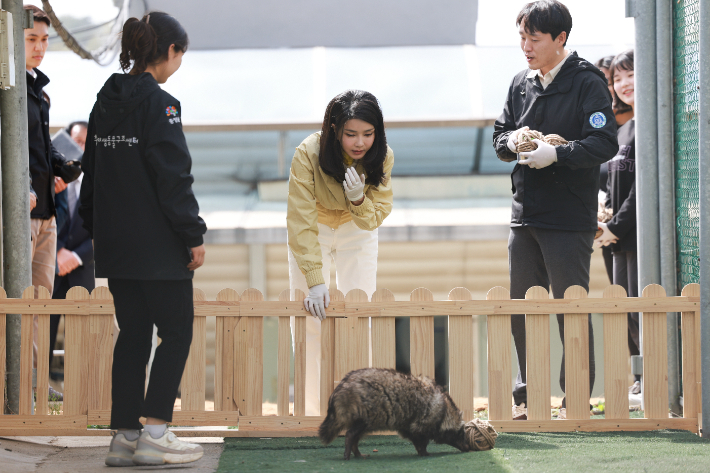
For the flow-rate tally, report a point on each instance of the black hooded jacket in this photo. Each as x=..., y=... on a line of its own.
x=576, y=106
x=621, y=193
x=136, y=197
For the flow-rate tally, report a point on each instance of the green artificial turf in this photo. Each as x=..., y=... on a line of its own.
x=658, y=451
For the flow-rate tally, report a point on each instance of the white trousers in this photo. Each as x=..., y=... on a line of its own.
x=354, y=252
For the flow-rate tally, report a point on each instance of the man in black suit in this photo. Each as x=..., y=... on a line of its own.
x=75, y=254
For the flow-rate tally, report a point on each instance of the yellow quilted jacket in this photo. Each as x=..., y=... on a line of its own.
x=314, y=197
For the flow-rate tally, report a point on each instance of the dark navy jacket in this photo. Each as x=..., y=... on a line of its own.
x=74, y=237
x=576, y=106
x=136, y=196
x=621, y=193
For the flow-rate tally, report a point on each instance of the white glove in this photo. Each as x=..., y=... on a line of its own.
x=513, y=139
x=316, y=302
x=354, y=185
x=542, y=157
x=606, y=238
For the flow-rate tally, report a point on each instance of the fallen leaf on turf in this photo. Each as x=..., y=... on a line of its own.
x=374, y=450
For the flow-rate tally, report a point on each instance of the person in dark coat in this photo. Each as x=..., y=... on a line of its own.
x=75, y=252
x=555, y=188
x=620, y=232
x=137, y=204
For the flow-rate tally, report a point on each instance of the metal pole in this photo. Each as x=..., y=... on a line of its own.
x=17, y=257
x=666, y=187
x=704, y=178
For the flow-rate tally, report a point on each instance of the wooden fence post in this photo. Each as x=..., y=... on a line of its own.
x=328, y=354
x=537, y=340
x=691, y=356
x=3, y=348
x=101, y=354
x=192, y=390
x=299, y=360
x=461, y=349
x=249, y=345
x=359, y=342
x=616, y=353
x=576, y=332
x=655, y=358
x=76, y=357
x=384, y=352
x=283, y=360
x=224, y=384
x=421, y=337
x=500, y=391
x=42, y=404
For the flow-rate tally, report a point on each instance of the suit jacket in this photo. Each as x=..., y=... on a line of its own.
x=74, y=237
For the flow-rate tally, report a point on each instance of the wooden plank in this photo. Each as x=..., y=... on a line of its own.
x=655, y=358
x=283, y=360
x=196, y=418
x=544, y=307
x=461, y=349
x=100, y=354
x=255, y=357
x=359, y=346
x=595, y=425
x=384, y=352
x=192, y=387
x=76, y=358
x=42, y=406
x=577, y=390
x=299, y=363
x=3, y=295
x=327, y=353
x=537, y=339
x=224, y=355
x=26, y=355
x=386, y=309
x=341, y=366
x=421, y=337
x=691, y=353
x=616, y=366
x=36, y=423
x=287, y=423
x=500, y=390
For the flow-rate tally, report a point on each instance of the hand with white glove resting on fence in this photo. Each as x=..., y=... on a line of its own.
x=317, y=301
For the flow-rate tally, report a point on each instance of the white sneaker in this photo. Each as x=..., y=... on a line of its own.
x=166, y=449
x=120, y=452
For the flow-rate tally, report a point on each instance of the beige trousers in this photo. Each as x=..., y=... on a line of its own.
x=44, y=260
x=354, y=252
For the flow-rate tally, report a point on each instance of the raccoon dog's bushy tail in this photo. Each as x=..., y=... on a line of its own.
x=330, y=428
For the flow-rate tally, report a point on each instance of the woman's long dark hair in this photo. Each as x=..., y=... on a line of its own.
x=347, y=106
x=623, y=61
x=147, y=41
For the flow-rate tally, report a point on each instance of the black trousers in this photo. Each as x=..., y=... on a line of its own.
x=139, y=305
x=547, y=258
x=626, y=275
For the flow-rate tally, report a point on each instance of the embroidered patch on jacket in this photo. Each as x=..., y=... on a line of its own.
x=597, y=120
x=171, y=110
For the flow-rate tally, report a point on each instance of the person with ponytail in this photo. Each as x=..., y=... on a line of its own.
x=339, y=193
x=138, y=206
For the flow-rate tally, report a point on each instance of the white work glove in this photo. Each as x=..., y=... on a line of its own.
x=354, y=185
x=316, y=302
x=606, y=238
x=542, y=157
x=513, y=139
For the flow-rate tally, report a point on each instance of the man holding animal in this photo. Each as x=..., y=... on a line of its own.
x=556, y=178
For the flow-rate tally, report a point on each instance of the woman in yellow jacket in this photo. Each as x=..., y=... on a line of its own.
x=339, y=194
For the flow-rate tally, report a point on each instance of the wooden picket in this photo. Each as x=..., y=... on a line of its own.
x=359, y=333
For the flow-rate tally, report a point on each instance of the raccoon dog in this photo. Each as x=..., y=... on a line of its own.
x=374, y=399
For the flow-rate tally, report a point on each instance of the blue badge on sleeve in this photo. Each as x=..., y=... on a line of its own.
x=597, y=120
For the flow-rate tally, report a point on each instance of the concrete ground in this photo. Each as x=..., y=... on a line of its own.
x=85, y=455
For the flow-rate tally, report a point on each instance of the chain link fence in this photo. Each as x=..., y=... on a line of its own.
x=686, y=32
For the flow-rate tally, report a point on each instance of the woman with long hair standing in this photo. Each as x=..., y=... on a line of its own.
x=619, y=233
x=137, y=203
x=339, y=194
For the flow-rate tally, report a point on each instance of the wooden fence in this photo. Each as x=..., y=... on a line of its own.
x=345, y=345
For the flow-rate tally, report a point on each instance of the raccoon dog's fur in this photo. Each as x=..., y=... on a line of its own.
x=374, y=399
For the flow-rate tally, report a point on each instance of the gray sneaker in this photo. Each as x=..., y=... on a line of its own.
x=120, y=452
x=166, y=449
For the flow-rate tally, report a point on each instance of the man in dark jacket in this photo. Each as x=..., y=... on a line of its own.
x=44, y=160
x=555, y=188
